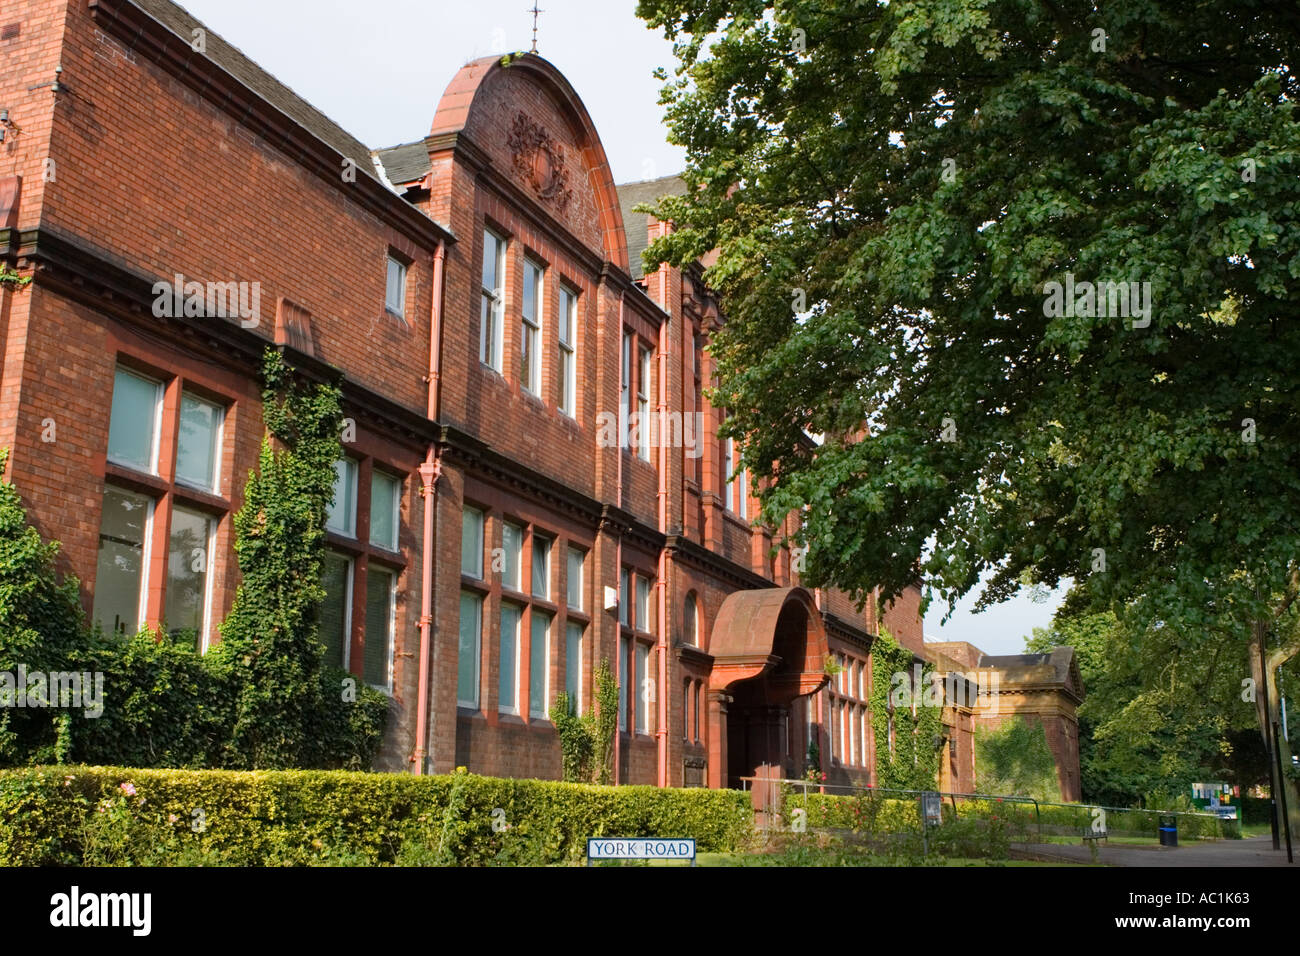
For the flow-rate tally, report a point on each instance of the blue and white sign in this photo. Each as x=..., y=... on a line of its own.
x=599, y=848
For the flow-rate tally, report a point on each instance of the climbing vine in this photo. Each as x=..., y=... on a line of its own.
x=912, y=763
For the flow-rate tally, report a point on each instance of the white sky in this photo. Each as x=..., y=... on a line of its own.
x=379, y=67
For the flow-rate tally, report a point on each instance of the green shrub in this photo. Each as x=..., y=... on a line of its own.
x=74, y=816
x=1015, y=758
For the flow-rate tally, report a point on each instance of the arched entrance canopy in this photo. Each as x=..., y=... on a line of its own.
x=774, y=633
x=769, y=648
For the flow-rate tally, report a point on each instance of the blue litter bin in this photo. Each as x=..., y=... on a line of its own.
x=1168, y=830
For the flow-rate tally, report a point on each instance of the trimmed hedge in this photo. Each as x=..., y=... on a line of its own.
x=105, y=816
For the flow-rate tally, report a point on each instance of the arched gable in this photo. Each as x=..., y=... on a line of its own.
x=526, y=117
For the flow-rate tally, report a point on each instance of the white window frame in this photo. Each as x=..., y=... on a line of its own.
x=568, y=319
x=395, y=548
x=569, y=582
x=205, y=628
x=546, y=669
x=156, y=436
x=390, y=628
x=351, y=531
x=218, y=439
x=729, y=466
x=492, y=318
x=530, y=331
x=625, y=389
x=644, y=379
x=348, y=584
x=481, y=544
x=519, y=624
x=478, y=653
x=400, y=309
x=146, y=556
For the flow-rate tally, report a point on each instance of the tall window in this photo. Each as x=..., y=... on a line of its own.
x=471, y=630
x=512, y=543
x=395, y=293
x=636, y=707
x=492, y=308
x=342, y=517
x=573, y=665
x=189, y=563
x=385, y=506
x=124, y=531
x=132, y=521
x=381, y=604
x=539, y=664
x=471, y=542
x=508, y=650
x=573, y=584
x=133, y=425
x=643, y=404
x=336, y=610
x=361, y=577
x=644, y=688
x=568, y=358
x=530, y=338
x=690, y=621
x=197, y=443
x=541, y=567
x=625, y=390
x=742, y=494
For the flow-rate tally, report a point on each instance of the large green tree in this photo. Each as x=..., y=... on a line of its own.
x=891, y=189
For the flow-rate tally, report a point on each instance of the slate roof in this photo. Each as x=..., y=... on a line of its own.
x=238, y=65
x=405, y=163
x=637, y=224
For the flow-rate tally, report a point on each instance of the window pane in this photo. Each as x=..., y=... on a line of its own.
x=512, y=541
x=196, y=445
x=539, y=664
x=384, y=493
x=342, y=517
x=697, y=710
x=541, y=567
x=690, y=616
x=379, y=627
x=574, y=584
x=336, y=579
x=133, y=420
x=573, y=665
x=508, y=684
x=187, y=572
x=624, y=679
x=471, y=543
x=624, y=611
x=471, y=626
x=642, y=688
x=120, y=571
x=642, y=603
x=491, y=254
x=395, y=296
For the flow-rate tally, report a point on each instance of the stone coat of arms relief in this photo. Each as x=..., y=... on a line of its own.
x=540, y=160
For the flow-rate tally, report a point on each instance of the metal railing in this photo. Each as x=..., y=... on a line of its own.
x=770, y=802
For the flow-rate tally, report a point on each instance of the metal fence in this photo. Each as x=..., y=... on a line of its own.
x=768, y=795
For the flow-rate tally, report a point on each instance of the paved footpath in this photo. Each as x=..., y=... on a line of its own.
x=1253, y=851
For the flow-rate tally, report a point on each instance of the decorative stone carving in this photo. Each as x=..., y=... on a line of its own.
x=540, y=160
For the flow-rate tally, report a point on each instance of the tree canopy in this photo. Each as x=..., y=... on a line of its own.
x=916, y=207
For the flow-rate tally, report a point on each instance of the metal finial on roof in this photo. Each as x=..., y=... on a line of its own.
x=535, y=11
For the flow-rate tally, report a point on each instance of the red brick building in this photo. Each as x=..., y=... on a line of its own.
x=504, y=519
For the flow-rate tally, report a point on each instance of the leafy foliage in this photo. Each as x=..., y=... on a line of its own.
x=890, y=188
x=911, y=762
x=587, y=740
x=1014, y=758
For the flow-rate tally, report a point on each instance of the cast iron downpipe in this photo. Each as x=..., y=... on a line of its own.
x=430, y=469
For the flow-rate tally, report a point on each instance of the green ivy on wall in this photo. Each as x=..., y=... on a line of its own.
x=913, y=763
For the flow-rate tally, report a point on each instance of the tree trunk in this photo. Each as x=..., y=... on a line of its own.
x=1263, y=669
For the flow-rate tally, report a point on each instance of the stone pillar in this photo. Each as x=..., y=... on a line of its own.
x=717, y=742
